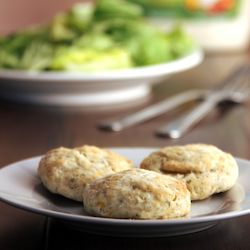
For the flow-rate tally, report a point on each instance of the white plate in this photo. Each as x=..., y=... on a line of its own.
x=20, y=187
x=89, y=89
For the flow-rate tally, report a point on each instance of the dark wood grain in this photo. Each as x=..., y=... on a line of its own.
x=228, y=235
x=26, y=131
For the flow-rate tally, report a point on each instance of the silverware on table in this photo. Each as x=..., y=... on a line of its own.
x=152, y=111
x=236, y=88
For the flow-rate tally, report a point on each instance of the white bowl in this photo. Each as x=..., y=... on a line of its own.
x=89, y=89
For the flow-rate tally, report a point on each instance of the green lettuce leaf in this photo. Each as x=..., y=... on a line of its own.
x=90, y=60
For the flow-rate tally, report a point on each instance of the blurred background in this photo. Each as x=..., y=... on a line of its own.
x=223, y=28
x=16, y=14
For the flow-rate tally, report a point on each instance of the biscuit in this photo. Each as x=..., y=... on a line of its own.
x=205, y=168
x=137, y=194
x=68, y=171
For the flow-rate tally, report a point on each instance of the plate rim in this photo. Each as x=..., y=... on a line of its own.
x=183, y=63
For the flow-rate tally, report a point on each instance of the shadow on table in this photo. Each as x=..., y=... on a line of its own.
x=224, y=236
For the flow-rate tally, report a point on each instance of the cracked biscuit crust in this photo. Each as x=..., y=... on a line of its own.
x=205, y=168
x=68, y=171
x=137, y=194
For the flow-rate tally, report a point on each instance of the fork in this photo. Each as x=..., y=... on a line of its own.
x=236, y=88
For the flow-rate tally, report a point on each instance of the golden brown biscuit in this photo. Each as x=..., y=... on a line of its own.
x=68, y=171
x=205, y=168
x=137, y=194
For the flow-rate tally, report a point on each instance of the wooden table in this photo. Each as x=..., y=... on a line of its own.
x=26, y=131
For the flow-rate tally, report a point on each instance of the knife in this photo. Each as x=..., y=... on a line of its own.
x=118, y=124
